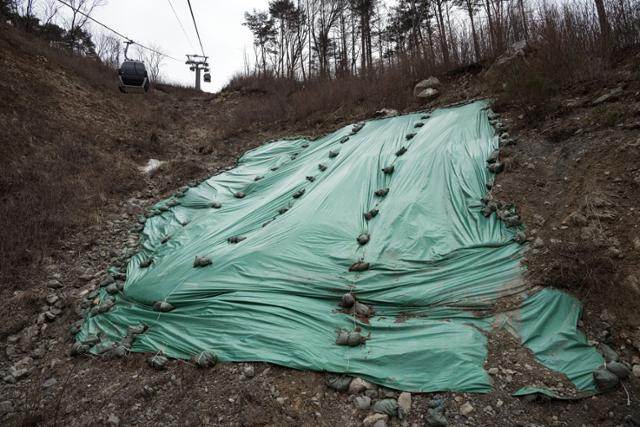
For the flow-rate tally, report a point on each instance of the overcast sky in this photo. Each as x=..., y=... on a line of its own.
x=220, y=23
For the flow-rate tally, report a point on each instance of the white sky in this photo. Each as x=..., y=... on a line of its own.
x=220, y=23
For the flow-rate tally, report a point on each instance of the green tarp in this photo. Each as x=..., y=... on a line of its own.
x=436, y=265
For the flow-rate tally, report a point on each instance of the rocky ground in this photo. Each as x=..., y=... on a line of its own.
x=574, y=178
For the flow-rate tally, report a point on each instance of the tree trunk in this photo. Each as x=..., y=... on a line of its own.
x=474, y=35
x=605, y=30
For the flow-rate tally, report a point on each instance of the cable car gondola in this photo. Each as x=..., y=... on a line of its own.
x=207, y=77
x=133, y=75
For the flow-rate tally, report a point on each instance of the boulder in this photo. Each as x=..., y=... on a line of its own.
x=428, y=94
x=431, y=82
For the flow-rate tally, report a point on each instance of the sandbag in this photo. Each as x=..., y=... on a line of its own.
x=363, y=239
x=205, y=359
x=338, y=382
x=163, y=306
x=386, y=406
x=158, y=362
x=201, y=261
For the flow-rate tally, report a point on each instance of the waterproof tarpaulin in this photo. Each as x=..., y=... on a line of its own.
x=431, y=269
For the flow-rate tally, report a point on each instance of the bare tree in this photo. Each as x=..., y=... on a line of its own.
x=49, y=10
x=153, y=60
x=108, y=49
x=81, y=10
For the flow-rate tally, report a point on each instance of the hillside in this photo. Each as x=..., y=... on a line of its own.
x=72, y=187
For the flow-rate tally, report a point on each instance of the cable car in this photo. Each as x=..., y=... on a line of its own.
x=133, y=75
x=207, y=77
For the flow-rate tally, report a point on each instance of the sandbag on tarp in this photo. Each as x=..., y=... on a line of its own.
x=435, y=262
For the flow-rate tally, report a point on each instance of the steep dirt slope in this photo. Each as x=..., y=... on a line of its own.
x=70, y=155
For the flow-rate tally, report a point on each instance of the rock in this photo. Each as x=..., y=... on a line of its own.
x=362, y=402
x=9, y=379
x=431, y=82
x=54, y=284
x=113, y=420
x=52, y=299
x=280, y=400
x=636, y=371
x=404, y=405
x=428, y=94
x=49, y=316
x=6, y=406
x=493, y=371
x=386, y=406
x=49, y=383
x=380, y=423
x=605, y=379
x=466, y=409
x=358, y=385
x=18, y=373
x=538, y=243
x=621, y=370
x=371, y=393
x=372, y=419
x=249, y=371
x=435, y=418
x=636, y=243
x=386, y=112
x=610, y=96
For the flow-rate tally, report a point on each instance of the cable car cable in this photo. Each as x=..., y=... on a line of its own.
x=114, y=31
x=186, y=36
x=196, y=26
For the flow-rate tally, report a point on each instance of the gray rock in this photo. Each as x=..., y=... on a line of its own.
x=609, y=96
x=18, y=373
x=363, y=402
x=49, y=383
x=9, y=379
x=380, y=423
x=428, y=94
x=372, y=419
x=425, y=84
x=54, y=284
x=52, y=299
x=404, y=405
x=358, y=385
x=636, y=371
x=466, y=409
x=249, y=371
x=113, y=420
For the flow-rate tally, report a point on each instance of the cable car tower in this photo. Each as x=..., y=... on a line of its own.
x=199, y=63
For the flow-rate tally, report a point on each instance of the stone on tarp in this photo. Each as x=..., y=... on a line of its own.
x=163, y=306
x=347, y=300
x=359, y=266
x=363, y=239
x=201, y=261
